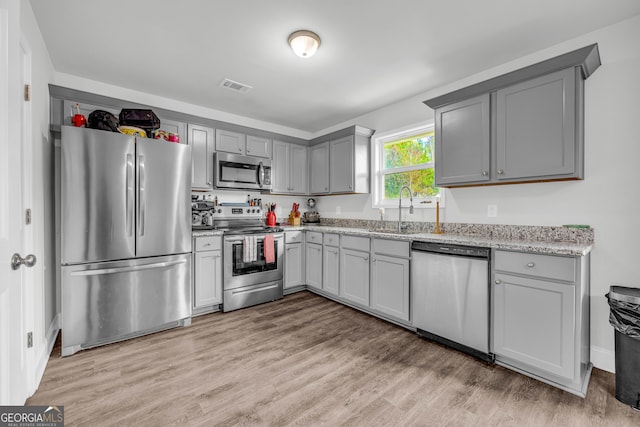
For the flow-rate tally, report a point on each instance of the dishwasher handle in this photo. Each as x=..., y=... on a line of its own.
x=449, y=249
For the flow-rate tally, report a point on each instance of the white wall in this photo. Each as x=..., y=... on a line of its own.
x=608, y=198
x=42, y=178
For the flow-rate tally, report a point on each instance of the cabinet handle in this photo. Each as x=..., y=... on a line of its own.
x=207, y=244
x=208, y=182
x=325, y=188
x=498, y=281
x=485, y=173
x=373, y=260
x=349, y=187
x=531, y=265
x=366, y=258
x=240, y=149
x=500, y=171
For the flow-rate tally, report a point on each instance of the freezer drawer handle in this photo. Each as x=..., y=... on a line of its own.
x=127, y=269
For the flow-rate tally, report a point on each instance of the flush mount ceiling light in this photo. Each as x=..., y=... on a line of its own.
x=304, y=43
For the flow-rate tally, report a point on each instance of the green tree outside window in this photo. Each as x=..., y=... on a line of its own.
x=409, y=161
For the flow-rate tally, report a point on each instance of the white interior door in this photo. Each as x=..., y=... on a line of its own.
x=14, y=379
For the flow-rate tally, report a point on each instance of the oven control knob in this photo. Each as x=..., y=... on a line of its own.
x=219, y=211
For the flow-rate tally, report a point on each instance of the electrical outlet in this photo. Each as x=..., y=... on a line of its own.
x=492, y=211
x=338, y=210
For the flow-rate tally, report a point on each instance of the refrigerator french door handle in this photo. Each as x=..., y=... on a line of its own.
x=130, y=203
x=260, y=174
x=127, y=269
x=141, y=195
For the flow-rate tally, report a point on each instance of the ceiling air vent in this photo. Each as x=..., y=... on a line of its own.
x=235, y=86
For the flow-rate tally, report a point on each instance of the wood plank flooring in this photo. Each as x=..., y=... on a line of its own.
x=305, y=360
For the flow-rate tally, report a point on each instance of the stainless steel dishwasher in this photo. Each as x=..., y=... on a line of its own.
x=450, y=296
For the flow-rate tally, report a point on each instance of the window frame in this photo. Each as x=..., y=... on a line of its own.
x=378, y=171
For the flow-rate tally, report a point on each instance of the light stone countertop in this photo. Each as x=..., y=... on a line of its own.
x=531, y=246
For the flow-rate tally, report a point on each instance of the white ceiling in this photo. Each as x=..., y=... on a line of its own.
x=373, y=52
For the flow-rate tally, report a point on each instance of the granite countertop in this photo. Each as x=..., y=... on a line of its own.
x=550, y=247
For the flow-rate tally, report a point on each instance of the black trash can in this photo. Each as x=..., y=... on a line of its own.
x=624, y=316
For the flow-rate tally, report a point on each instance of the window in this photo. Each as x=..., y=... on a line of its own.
x=405, y=158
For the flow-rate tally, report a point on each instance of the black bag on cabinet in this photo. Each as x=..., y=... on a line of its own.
x=143, y=119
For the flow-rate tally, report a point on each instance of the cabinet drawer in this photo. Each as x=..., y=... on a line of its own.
x=357, y=243
x=391, y=247
x=331, y=239
x=314, y=237
x=208, y=243
x=546, y=266
x=293, y=237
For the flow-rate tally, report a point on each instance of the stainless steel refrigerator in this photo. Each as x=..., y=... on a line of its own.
x=125, y=236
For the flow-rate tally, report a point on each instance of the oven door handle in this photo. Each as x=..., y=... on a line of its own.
x=240, y=239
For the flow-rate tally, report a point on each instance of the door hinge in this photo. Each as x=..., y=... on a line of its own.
x=27, y=216
x=27, y=92
x=29, y=339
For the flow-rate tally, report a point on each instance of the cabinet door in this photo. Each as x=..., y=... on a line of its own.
x=536, y=127
x=208, y=278
x=341, y=165
x=280, y=168
x=298, y=169
x=319, y=169
x=314, y=265
x=463, y=142
x=354, y=276
x=231, y=142
x=258, y=146
x=293, y=265
x=173, y=126
x=202, y=146
x=390, y=286
x=534, y=323
x=331, y=271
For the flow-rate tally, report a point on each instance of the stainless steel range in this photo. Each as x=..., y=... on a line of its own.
x=253, y=256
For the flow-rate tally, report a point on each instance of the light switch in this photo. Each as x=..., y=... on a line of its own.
x=338, y=210
x=492, y=211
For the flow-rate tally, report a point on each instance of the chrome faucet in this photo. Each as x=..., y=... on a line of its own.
x=400, y=225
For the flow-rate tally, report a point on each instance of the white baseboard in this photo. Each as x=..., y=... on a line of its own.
x=46, y=348
x=603, y=359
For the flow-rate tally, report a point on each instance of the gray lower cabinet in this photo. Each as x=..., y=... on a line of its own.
x=541, y=317
x=331, y=263
x=202, y=142
x=355, y=269
x=390, y=278
x=294, y=259
x=313, y=259
x=207, y=266
x=319, y=168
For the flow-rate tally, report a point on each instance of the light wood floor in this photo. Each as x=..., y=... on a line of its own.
x=306, y=360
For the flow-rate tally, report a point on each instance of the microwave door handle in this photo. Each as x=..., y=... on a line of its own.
x=260, y=174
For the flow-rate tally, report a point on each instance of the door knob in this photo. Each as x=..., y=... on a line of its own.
x=17, y=261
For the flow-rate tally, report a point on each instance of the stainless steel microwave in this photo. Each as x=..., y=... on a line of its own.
x=241, y=172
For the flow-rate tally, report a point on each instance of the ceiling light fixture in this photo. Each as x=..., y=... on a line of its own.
x=304, y=43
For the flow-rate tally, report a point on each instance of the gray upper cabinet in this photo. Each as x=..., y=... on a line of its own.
x=201, y=139
x=258, y=146
x=231, y=142
x=289, y=168
x=536, y=128
x=319, y=168
x=523, y=126
x=341, y=165
x=463, y=142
